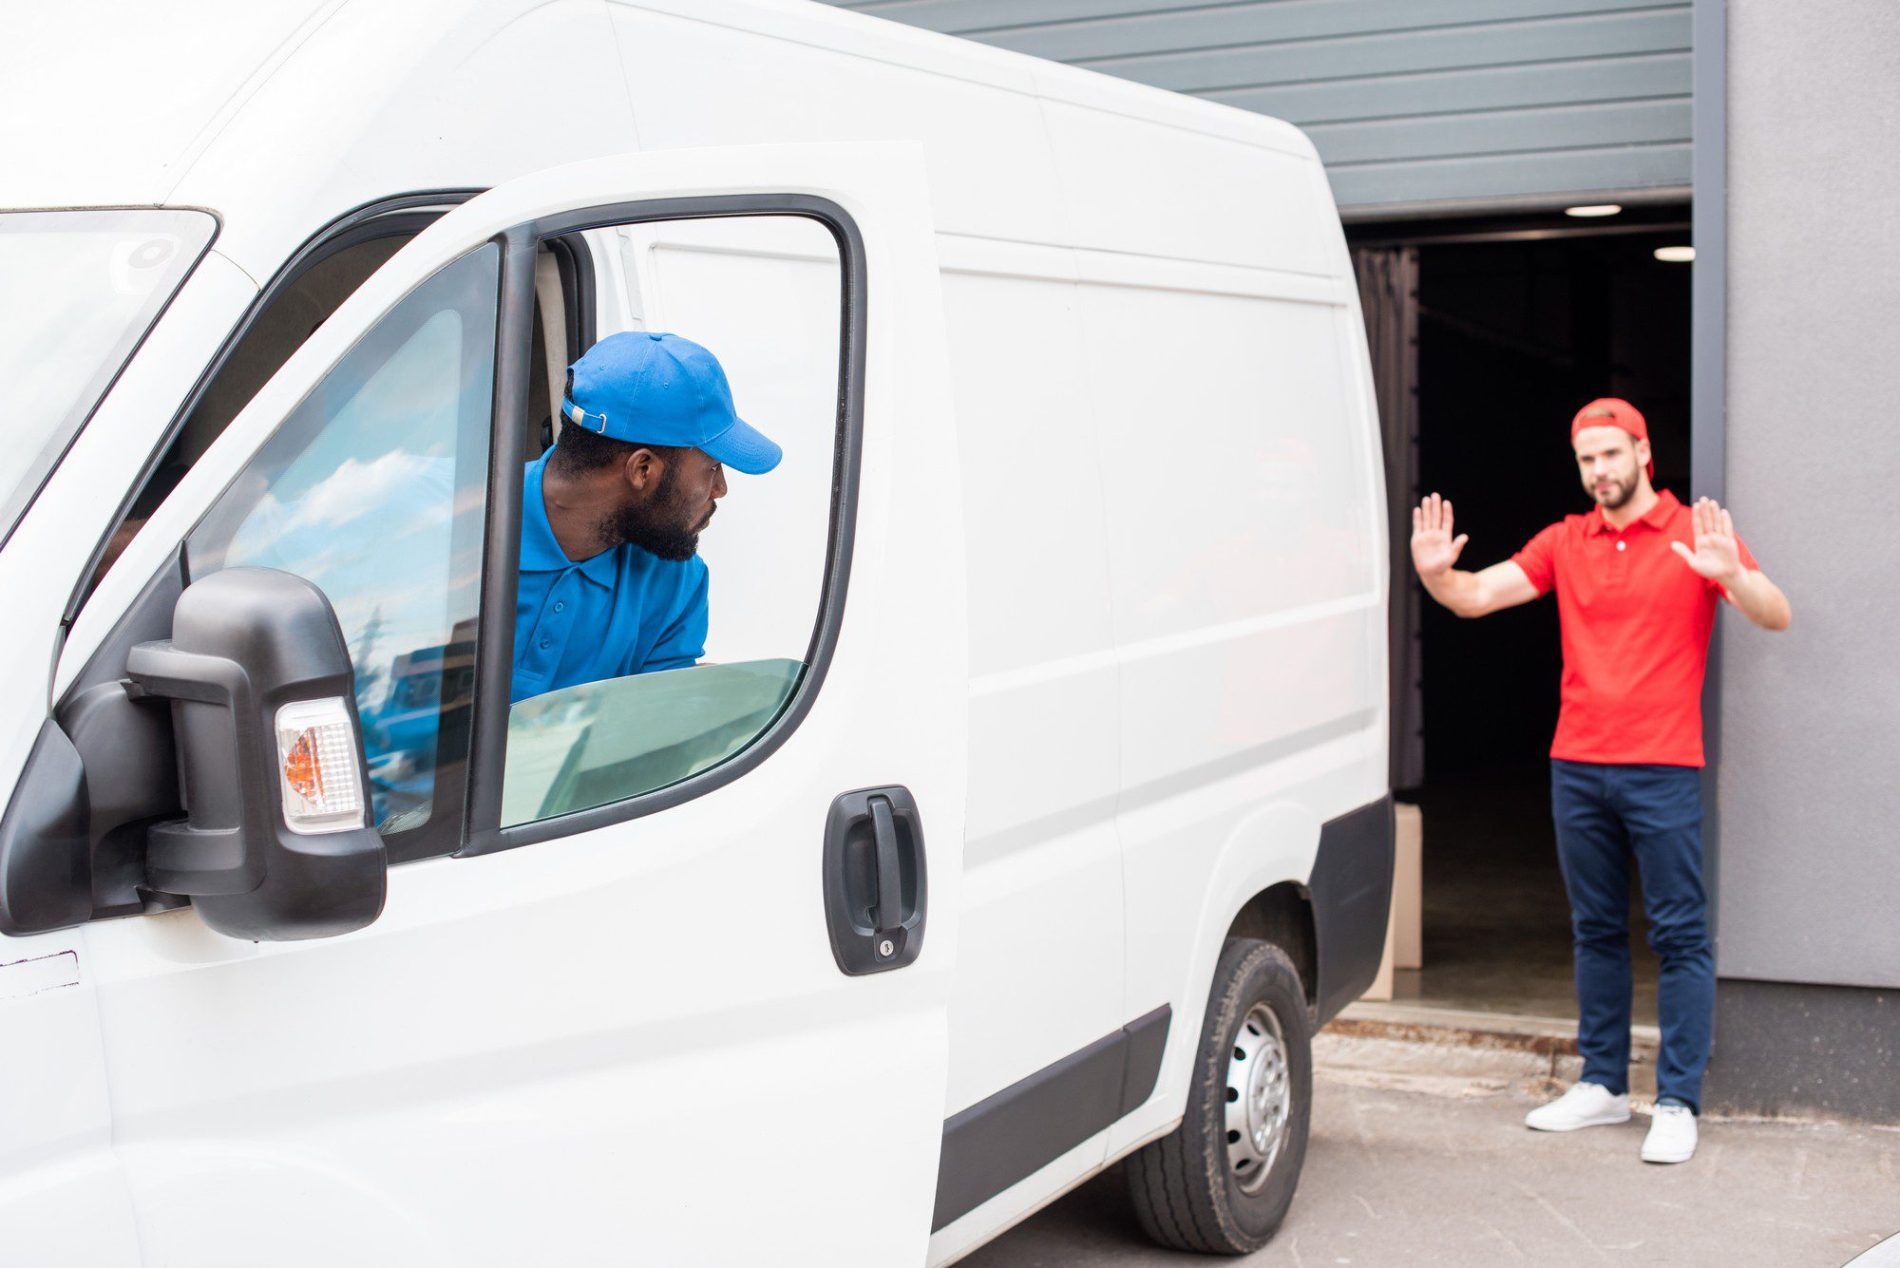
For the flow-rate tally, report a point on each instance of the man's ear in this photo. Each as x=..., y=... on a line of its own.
x=643, y=470
x=1642, y=453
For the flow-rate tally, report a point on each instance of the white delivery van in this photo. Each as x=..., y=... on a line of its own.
x=1026, y=813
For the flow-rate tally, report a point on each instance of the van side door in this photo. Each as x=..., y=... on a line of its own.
x=662, y=970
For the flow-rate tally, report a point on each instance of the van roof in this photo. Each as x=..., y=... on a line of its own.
x=281, y=116
x=119, y=120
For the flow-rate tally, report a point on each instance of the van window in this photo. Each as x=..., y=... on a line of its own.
x=374, y=489
x=288, y=316
x=78, y=290
x=633, y=671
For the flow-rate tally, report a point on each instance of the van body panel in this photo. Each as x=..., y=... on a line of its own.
x=116, y=122
x=1043, y=916
x=991, y=173
x=1246, y=834
x=75, y=1211
x=1248, y=638
x=1207, y=197
x=1114, y=95
x=237, y=1186
x=63, y=1196
x=460, y=95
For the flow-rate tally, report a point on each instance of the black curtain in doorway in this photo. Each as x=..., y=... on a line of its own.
x=1388, y=295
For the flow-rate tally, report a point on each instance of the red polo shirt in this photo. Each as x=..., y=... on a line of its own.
x=1636, y=622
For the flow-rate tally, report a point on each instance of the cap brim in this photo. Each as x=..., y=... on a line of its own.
x=745, y=448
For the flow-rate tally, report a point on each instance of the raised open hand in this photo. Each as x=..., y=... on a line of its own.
x=1716, y=556
x=1434, y=549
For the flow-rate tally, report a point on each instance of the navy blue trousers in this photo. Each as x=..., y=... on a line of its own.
x=1606, y=815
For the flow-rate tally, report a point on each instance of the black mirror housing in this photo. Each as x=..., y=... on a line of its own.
x=246, y=642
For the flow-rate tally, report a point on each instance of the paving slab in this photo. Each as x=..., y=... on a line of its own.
x=1432, y=1165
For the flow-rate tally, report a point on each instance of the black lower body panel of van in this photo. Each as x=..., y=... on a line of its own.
x=1352, y=898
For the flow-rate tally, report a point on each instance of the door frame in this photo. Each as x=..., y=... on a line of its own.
x=509, y=453
x=1701, y=219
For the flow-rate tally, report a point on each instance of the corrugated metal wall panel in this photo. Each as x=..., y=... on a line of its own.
x=1490, y=90
x=1409, y=101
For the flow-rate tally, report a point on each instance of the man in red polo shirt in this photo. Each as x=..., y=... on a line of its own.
x=1637, y=581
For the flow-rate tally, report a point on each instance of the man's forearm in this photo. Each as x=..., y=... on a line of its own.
x=1458, y=590
x=1759, y=599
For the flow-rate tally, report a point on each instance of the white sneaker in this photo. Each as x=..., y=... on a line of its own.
x=1584, y=1105
x=1671, y=1135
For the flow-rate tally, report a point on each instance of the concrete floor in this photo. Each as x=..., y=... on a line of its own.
x=1496, y=923
x=1439, y=1169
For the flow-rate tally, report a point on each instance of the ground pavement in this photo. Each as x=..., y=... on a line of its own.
x=1422, y=1158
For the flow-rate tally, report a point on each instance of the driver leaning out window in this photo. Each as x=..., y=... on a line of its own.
x=611, y=582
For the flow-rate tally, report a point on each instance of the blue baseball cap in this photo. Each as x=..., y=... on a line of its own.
x=652, y=388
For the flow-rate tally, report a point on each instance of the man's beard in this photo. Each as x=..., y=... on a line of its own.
x=1620, y=492
x=654, y=525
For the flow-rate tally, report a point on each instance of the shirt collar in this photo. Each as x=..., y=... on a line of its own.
x=1659, y=515
x=1656, y=517
x=540, y=549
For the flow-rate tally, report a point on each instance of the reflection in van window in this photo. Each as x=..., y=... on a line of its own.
x=280, y=328
x=373, y=490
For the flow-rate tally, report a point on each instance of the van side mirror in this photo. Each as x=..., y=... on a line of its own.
x=277, y=842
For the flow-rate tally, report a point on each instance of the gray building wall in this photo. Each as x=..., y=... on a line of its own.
x=1414, y=104
x=1811, y=719
x=1809, y=892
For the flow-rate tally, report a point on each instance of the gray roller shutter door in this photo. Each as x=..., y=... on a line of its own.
x=1414, y=104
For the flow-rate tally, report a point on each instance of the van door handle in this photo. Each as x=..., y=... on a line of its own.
x=890, y=901
x=874, y=879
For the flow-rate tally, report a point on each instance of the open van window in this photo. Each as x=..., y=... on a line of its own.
x=81, y=289
x=625, y=680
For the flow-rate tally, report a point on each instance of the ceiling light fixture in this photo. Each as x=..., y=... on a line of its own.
x=1675, y=255
x=1595, y=209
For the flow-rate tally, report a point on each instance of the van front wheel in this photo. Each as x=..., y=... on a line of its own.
x=1222, y=1181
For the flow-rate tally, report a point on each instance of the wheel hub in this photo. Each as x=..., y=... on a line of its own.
x=1258, y=1100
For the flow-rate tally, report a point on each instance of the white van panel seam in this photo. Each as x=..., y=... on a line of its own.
x=1251, y=759
x=1094, y=662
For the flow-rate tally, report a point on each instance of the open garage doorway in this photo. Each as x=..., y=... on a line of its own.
x=1487, y=336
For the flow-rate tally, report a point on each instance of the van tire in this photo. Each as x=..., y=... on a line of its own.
x=1185, y=1187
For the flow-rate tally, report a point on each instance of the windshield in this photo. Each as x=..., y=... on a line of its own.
x=78, y=290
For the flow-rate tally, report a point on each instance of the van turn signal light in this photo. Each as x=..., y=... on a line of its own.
x=317, y=759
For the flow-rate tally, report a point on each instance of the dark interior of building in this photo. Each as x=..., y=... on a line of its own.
x=1519, y=325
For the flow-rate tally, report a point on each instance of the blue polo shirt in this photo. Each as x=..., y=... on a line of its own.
x=625, y=611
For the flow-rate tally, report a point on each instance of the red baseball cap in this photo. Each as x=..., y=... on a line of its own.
x=1612, y=411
